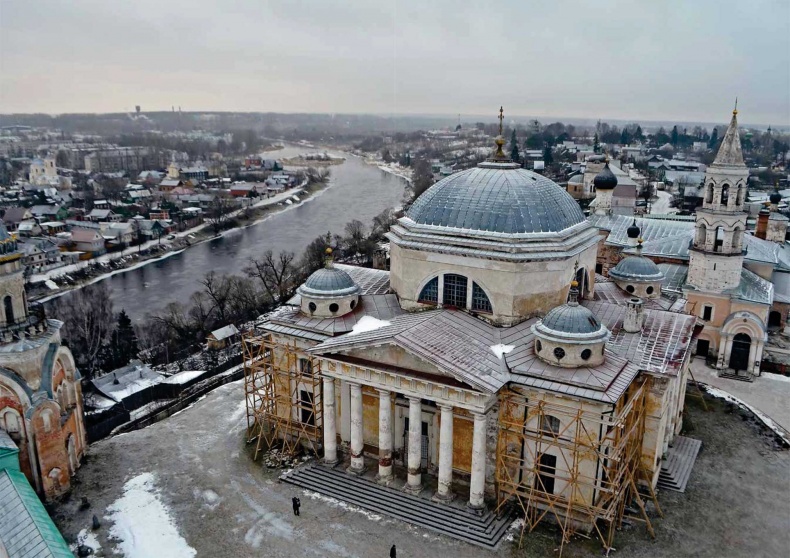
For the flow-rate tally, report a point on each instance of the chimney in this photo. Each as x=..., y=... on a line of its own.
x=634, y=316
x=762, y=223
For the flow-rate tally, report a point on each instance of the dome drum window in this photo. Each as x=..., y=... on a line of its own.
x=457, y=291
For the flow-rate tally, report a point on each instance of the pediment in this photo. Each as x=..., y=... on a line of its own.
x=397, y=358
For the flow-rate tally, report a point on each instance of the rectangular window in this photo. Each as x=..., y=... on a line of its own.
x=454, y=290
x=599, y=268
x=546, y=470
x=306, y=408
x=305, y=366
x=707, y=313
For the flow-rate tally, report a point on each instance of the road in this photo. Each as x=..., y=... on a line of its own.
x=661, y=205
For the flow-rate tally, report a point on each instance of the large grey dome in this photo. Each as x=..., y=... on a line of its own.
x=328, y=282
x=497, y=197
x=636, y=268
x=569, y=318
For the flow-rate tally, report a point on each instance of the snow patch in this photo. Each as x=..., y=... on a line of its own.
x=143, y=525
x=51, y=285
x=777, y=377
x=342, y=505
x=183, y=377
x=765, y=419
x=86, y=538
x=501, y=350
x=368, y=323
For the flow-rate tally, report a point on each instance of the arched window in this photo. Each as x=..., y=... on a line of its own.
x=10, y=422
x=725, y=194
x=709, y=193
x=718, y=240
x=430, y=292
x=550, y=424
x=702, y=232
x=739, y=195
x=8, y=305
x=480, y=302
x=737, y=239
x=454, y=293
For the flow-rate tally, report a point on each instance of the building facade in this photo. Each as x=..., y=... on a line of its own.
x=40, y=393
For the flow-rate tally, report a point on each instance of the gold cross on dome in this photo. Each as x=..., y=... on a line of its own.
x=501, y=118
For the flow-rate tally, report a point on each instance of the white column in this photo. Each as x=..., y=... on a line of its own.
x=357, y=460
x=385, y=436
x=758, y=358
x=414, y=483
x=722, y=351
x=329, y=417
x=478, y=481
x=445, y=454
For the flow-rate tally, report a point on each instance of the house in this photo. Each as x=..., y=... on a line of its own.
x=242, y=190
x=133, y=384
x=118, y=234
x=168, y=184
x=28, y=229
x=88, y=241
x=222, y=337
x=102, y=216
x=51, y=228
x=49, y=212
x=40, y=254
x=15, y=215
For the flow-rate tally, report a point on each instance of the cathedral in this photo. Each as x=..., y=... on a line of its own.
x=40, y=392
x=491, y=366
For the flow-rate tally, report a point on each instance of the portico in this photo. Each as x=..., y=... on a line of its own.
x=743, y=337
x=452, y=403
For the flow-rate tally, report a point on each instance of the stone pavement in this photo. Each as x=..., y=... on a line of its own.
x=769, y=393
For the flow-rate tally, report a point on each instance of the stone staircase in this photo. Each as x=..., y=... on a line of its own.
x=736, y=375
x=456, y=521
x=676, y=468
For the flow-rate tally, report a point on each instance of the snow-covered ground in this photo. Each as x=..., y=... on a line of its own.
x=768, y=395
x=143, y=525
x=661, y=205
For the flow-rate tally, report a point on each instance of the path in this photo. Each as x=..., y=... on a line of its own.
x=769, y=394
x=661, y=205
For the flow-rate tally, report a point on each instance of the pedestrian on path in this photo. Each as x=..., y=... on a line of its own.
x=297, y=503
x=393, y=552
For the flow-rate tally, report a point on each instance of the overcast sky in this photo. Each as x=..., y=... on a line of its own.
x=650, y=60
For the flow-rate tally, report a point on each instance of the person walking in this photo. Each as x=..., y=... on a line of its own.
x=393, y=552
x=297, y=503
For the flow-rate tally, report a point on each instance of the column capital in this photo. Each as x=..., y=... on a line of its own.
x=384, y=392
x=479, y=416
x=445, y=406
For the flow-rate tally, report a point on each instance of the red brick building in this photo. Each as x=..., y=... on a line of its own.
x=40, y=394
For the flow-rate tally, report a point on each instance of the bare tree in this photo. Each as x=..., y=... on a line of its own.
x=422, y=177
x=88, y=319
x=218, y=289
x=276, y=274
x=218, y=213
x=356, y=242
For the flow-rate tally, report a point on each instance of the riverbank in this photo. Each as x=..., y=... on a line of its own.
x=108, y=265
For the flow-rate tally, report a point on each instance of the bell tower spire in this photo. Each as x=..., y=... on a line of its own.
x=716, y=256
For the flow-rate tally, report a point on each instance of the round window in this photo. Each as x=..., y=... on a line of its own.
x=353, y=304
x=312, y=306
x=630, y=288
x=586, y=354
x=333, y=307
x=649, y=290
x=559, y=352
x=538, y=346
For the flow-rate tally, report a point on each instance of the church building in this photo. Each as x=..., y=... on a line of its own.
x=490, y=366
x=737, y=284
x=40, y=393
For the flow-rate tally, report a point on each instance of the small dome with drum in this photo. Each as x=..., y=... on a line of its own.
x=638, y=275
x=328, y=292
x=570, y=335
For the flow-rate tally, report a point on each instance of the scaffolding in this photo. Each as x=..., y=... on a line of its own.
x=283, y=396
x=593, y=472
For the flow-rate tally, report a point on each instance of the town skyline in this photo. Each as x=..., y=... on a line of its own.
x=401, y=58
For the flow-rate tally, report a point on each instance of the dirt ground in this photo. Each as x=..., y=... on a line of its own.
x=737, y=502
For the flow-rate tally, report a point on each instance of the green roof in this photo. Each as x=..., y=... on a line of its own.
x=27, y=531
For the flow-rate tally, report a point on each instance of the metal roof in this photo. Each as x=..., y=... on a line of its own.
x=500, y=200
x=370, y=281
x=674, y=277
x=754, y=288
x=660, y=347
x=26, y=530
x=328, y=281
x=570, y=318
x=382, y=307
x=636, y=268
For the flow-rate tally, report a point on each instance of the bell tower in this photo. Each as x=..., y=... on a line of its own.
x=716, y=256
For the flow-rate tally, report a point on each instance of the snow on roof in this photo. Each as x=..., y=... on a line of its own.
x=183, y=377
x=130, y=379
x=225, y=332
x=368, y=323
